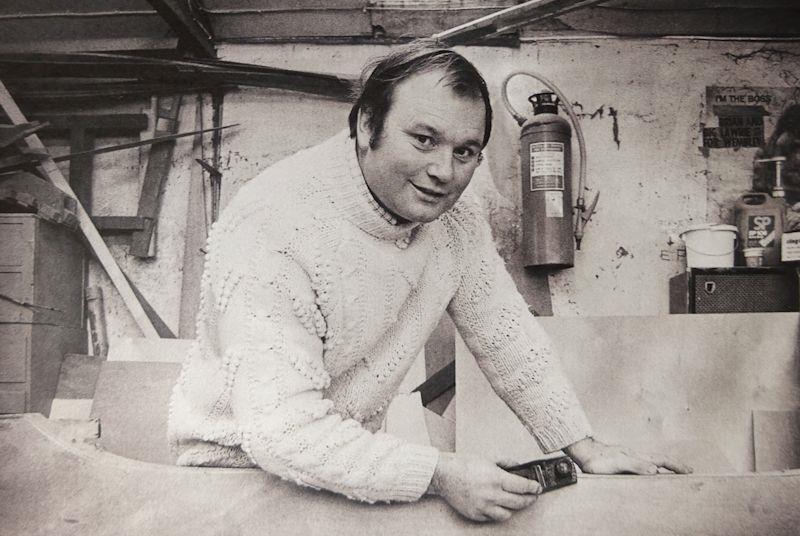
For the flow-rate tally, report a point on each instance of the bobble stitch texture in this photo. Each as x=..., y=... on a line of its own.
x=314, y=304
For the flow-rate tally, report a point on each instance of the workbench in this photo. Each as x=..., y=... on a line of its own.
x=53, y=484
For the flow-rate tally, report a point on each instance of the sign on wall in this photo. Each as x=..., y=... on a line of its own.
x=744, y=116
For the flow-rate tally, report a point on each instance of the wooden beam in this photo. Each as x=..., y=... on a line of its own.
x=184, y=71
x=95, y=122
x=196, y=235
x=697, y=21
x=510, y=19
x=118, y=224
x=80, y=168
x=438, y=384
x=96, y=243
x=160, y=326
x=440, y=351
x=158, y=165
x=192, y=35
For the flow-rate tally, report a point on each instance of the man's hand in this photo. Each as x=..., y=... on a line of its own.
x=592, y=456
x=480, y=489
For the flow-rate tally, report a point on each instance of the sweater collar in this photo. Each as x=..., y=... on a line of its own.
x=358, y=203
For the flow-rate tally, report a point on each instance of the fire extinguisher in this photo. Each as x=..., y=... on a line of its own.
x=546, y=173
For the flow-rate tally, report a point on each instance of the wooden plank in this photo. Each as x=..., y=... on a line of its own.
x=118, y=224
x=95, y=122
x=80, y=168
x=649, y=382
x=183, y=71
x=131, y=401
x=78, y=376
x=423, y=22
x=776, y=440
x=511, y=18
x=214, y=6
x=406, y=420
x=438, y=384
x=160, y=326
x=674, y=5
x=192, y=35
x=753, y=22
x=140, y=143
x=195, y=237
x=106, y=494
x=13, y=133
x=440, y=351
x=93, y=237
x=345, y=22
x=150, y=350
x=158, y=166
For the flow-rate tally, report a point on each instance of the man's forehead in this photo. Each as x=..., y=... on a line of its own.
x=420, y=84
x=425, y=100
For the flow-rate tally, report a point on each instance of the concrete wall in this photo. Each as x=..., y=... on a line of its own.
x=643, y=103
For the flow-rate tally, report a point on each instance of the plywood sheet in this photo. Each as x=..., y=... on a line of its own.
x=52, y=486
x=154, y=350
x=132, y=402
x=776, y=440
x=654, y=383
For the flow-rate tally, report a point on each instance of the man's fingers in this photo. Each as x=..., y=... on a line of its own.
x=513, y=501
x=668, y=463
x=505, y=463
x=641, y=467
x=498, y=513
x=519, y=484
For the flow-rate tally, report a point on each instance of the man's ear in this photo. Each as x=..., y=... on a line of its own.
x=363, y=130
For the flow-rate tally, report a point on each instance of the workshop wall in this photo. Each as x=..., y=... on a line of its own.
x=642, y=104
x=117, y=180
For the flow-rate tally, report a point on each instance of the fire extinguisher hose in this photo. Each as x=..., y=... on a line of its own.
x=583, y=216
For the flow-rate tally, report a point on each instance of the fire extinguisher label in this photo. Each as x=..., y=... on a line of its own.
x=547, y=165
x=760, y=231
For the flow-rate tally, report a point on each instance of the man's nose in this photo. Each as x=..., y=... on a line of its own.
x=441, y=167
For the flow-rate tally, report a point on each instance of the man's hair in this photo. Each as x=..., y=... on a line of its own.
x=373, y=95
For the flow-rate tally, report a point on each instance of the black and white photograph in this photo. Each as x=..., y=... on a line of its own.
x=400, y=267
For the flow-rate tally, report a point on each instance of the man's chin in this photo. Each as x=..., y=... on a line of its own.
x=426, y=215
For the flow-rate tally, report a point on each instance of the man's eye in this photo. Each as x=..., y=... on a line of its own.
x=425, y=141
x=464, y=154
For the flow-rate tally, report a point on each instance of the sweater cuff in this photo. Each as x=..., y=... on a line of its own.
x=562, y=433
x=417, y=473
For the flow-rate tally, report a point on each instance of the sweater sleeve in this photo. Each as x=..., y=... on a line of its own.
x=271, y=337
x=510, y=346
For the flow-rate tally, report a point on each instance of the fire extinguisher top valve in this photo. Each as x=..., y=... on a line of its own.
x=544, y=103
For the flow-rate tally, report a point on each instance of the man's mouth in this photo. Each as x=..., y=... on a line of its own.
x=428, y=191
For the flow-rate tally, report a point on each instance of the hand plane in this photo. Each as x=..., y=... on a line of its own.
x=550, y=473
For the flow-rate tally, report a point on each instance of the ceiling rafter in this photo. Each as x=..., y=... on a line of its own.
x=509, y=19
x=193, y=36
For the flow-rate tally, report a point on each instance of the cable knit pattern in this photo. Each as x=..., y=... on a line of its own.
x=314, y=304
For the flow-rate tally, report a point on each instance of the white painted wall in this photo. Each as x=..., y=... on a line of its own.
x=654, y=183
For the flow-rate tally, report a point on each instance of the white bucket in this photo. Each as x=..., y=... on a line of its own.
x=710, y=245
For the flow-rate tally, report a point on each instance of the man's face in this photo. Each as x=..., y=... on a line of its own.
x=428, y=151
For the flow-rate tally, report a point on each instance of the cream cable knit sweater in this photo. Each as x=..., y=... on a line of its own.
x=314, y=305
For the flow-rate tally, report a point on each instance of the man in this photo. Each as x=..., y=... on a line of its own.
x=324, y=278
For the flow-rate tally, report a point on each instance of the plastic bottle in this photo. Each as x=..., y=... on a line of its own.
x=760, y=219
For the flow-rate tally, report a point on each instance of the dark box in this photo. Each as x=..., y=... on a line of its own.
x=734, y=290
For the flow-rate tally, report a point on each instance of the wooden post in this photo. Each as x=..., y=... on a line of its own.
x=97, y=321
x=196, y=234
x=440, y=351
x=80, y=168
x=88, y=229
x=158, y=165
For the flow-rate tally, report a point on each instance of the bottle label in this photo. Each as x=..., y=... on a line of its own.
x=547, y=165
x=760, y=231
